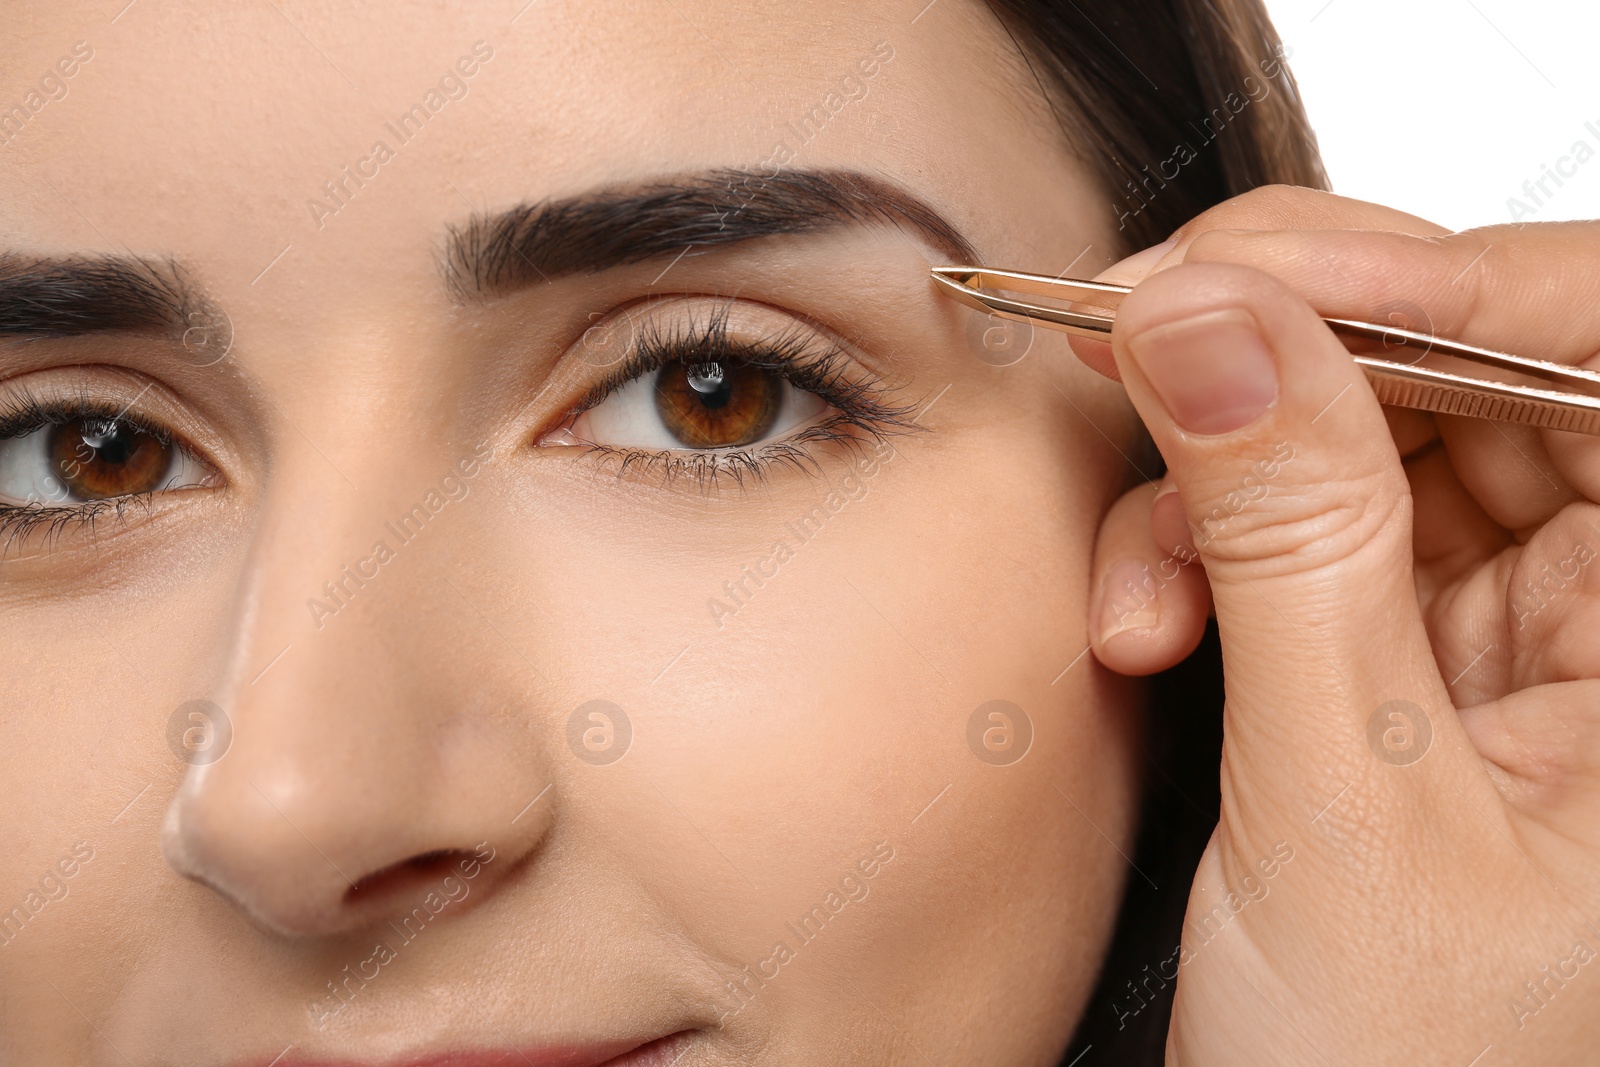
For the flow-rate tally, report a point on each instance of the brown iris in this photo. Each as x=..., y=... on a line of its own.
x=718, y=405
x=100, y=458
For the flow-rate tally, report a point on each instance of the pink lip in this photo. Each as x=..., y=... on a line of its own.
x=656, y=1053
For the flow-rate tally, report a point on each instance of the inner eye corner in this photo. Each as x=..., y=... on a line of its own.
x=70, y=459
x=723, y=397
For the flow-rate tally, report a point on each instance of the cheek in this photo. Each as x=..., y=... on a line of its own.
x=827, y=706
x=86, y=755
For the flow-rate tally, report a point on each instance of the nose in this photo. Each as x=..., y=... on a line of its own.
x=373, y=756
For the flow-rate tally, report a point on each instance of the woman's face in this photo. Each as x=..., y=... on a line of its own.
x=388, y=677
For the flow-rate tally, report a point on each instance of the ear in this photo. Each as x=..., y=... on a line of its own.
x=1150, y=596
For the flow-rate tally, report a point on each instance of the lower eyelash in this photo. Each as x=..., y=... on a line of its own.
x=742, y=466
x=20, y=521
x=865, y=412
x=24, y=411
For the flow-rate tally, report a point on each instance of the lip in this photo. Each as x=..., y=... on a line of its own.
x=654, y=1052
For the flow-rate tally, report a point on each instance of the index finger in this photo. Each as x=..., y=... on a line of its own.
x=1279, y=208
x=1532, y=290
x=1288, y=207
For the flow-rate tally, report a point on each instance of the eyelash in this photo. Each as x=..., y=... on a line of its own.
x=23, y=413
x=863, y=412
x=864, y=409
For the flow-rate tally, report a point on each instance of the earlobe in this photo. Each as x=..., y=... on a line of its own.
x=1149, y=603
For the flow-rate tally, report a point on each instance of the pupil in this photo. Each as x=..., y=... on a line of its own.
x=717, y=404
x=109, y=442
x=708, y=381
x=97, y=458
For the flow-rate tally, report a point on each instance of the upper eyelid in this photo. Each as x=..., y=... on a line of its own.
x=794, y=343
x=812, y=357
x=143, y=402
x=33, y=415
x=794, y=318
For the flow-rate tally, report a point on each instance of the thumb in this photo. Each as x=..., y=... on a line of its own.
x=1095, y=353
x=1301, y=512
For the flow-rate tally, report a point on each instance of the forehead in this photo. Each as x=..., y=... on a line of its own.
x=230, y=133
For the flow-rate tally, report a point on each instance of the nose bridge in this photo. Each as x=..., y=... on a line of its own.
x=361, y=748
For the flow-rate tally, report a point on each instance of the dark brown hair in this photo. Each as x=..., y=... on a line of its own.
x=1176, y=105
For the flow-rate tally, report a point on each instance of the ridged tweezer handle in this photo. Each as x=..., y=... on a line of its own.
x=1431, y=390
x=1573, y=404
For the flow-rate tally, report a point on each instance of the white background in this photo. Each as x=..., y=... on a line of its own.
x=1444, y=108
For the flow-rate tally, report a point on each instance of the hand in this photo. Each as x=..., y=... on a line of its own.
x=1407, y=865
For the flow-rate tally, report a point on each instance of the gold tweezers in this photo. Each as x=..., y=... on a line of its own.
x=1571, y=402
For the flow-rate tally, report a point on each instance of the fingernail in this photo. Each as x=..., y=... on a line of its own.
x=1127, y=599
x=1212, y=372
x=1135, y=267
x=1169, y=523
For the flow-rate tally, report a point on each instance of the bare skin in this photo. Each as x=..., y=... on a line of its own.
x=1407, y=609
x=418, y=743
x=419, y=721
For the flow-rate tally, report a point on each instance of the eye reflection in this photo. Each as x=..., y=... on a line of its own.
x=82, y=458
x=99, y=458
x=713, y=388
x=699, y=405
x=717, y=405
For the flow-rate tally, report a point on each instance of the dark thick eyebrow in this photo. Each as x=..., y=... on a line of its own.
x=66, y=297
x=614, y=226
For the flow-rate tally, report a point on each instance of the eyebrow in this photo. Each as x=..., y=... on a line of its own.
x=492, y=254
x=75, y=295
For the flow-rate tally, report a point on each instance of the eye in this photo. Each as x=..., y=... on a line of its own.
x=714, y=389
x=82, y=458
x=712, y=404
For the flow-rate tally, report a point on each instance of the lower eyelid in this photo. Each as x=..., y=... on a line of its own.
x=735, y=468
x=55, y=395
x=855, y=403
x=635, y=401
x=41, y=489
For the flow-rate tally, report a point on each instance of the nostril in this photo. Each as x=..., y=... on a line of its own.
x=397, y=879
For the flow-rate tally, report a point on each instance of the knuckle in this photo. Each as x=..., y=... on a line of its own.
x=1477, y=266
x=1264, y=207
x=1320, y=525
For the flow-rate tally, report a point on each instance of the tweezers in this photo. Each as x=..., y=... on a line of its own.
x=1571, y=400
